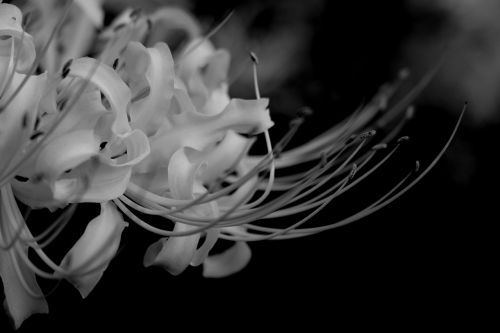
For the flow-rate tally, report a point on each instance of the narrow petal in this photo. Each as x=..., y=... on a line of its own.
x=149, y=112
x=212, y=235
x=10, y=25
x=174, y=254
x=110, y=84
x=92, y=253
x=19, y=302
x=229, y=262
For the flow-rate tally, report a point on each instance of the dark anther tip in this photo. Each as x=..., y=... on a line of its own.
x=254, y=58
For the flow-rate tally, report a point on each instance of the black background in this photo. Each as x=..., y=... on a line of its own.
x=422, y=258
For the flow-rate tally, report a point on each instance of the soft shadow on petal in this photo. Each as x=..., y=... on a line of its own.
x=92, y=253
x=229, y=262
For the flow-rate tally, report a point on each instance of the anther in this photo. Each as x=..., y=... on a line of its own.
x=37, y=123
x=353, y=171
x=351, y=139
x=403, y=139
x=254, y=58
x=36, y=135
x=66, y=67
x=417, y=166
x=21, y=179
x=379, y=146
x=367, y=134
x=115, y=63
x=25, y=120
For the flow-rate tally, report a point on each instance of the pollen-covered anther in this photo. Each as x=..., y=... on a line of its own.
x=367, y=134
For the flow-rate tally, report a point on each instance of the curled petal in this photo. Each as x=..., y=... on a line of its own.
x=175, y=253
x=229, y=262
x=90, y=256
x=10, y=25
x=225, y=155
x=110, y=84
x=184, y=165
x=198, y=131
x=106, y=179
x=150, y=112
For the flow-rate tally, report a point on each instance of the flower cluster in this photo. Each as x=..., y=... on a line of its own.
x=144, y=128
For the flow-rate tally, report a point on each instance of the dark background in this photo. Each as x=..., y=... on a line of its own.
x=424, y=257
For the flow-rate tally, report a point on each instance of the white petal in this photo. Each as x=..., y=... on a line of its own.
x=175, y=253
x=17, y=120
x=149, y=113
x=19, y=303
x=212, y=235
x=92, y=253
x=66, y=152
x=10, y=25
x=229, y=262
x=93, y=10
x=110, y=84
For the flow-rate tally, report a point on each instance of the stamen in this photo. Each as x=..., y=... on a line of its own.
x=209, y=35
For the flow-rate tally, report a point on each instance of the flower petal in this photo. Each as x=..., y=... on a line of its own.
x=92, y=253
x=17, y=120
x=149, y=113
x=175, y=253
x=211, y=237
x=229, y=262
x=19, y=302
x=108, y=178
x=10, y=25
x=110, y=84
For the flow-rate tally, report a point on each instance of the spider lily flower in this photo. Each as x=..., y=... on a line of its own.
x=145, y=128
x=67, y=139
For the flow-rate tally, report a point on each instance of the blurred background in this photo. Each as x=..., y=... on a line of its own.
x=423, y=254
